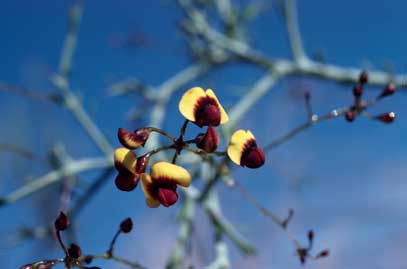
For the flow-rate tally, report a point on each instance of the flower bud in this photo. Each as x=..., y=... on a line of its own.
x=126, y=225
x=141, y=164
x=323, y=253
x=133, y=140
x=126, y=182
x=208, y=141
x=358, y=90
x=350, y=116
x=74, y=251
x=363, y=77
x=386, y=117
x=62, y=222
x=388, y=90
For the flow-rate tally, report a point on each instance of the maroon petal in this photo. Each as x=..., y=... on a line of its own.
x=167, y=195
x=253, y=157
x=207, y=112
x=126, y=181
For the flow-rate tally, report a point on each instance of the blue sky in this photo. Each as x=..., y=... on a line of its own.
x=346, y=181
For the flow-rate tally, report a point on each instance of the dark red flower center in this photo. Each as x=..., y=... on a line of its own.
x=167, y=195
x=252, y=156
x=207, y=112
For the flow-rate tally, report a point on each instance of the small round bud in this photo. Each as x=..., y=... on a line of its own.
x=126, y=225
x=350, y=116
x=386, y=117
x=62, y=222
x=363, y=77
x=74, y=251
x=358, y=90
x=323, y=253
x=388, y=90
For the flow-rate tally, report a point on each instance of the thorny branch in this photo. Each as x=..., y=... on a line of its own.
x=220, y=48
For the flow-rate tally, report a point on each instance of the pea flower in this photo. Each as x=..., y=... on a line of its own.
x=202, y=107
x=129, y=167
x=160, y=186
x=243, y=150
x=133, y=140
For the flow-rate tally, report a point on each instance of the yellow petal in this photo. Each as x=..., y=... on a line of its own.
x=188, y=101
x=125, y=160
x=146, y=184
x=223, y=116
x=171, y=173
x=236, y=144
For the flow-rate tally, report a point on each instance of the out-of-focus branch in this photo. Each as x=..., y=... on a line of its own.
x=33, y=94
x=259, y=89
x=294, y=36
x=73, y=167
x=61, y=81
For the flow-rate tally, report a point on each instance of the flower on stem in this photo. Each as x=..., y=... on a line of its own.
x=126, y=225
x=388, y=90
x=74, y=251
x=386, y=117
x=208, y=141
x=133, y=140
x=160, y=186
x=202, y=107
x=129, y=167
x=61, y=222
x=243, y=150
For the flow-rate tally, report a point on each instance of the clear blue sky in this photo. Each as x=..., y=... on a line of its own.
x=346, y=181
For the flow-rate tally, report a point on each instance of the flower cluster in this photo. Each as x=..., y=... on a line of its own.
x=359, y=106
x=160, y=184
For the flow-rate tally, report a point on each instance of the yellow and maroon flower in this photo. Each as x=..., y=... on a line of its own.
x=243, y=150
x=133, y=140
x=160, y=186
x=202, y=107
x=129, y=168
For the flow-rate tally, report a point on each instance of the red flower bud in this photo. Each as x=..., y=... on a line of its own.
x=323, y=253
x=126, y=181
x=62, y=222
x=357, y=90
x=141, y=164
x=74, y=251
x=363, y=77
x=126, y=225
x=208, y=141
x=350, y=116
x=133, y=140
x=388, y=90
x=386, y=117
